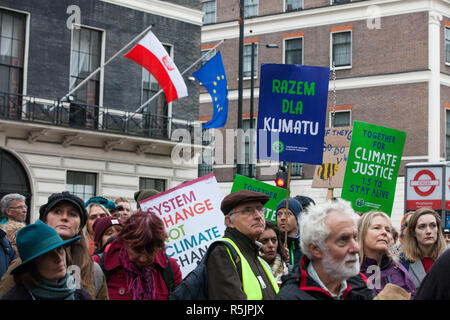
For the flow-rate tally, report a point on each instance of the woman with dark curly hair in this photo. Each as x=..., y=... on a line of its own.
x=135, y=261
x=272, y=250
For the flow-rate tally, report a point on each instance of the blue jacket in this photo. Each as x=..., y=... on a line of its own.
x=7, y=253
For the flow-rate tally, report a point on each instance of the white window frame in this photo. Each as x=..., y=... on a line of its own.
x=303, y=47
x=215, y=11
x=257, y=10
x=351, y=50
x=445, y=45
x=284, y=6
x=330, y=118
x=102, y=59
x=333, y=4
x=257, y=64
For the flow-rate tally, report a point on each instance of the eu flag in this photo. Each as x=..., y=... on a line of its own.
x=212, y=76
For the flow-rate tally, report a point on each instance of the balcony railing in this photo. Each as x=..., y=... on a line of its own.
x=88, y=117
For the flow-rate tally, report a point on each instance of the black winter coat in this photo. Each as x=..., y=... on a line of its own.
x=7, y=253
x=436, y=284
x=298, y=285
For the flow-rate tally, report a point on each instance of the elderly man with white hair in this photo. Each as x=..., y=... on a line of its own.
x=330, y=266
x=13, y=208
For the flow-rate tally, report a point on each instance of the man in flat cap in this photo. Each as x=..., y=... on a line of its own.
x=247, y=277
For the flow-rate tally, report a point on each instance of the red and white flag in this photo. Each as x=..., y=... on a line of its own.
x=151, y=55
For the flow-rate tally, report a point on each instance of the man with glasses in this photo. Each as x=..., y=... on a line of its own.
x=247, y=276
x=13, y=208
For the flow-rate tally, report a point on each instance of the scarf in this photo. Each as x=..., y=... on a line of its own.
x=141, y=283
x=49, y=290
x=279, y=268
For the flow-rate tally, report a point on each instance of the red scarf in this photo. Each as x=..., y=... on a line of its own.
x=142, y=284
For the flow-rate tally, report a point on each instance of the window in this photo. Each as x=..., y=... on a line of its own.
x=209, y=55
x=293, y=51
x=86, y=56
x=447, y=136
x=291, y=5
x=249, y=168
x=205, y=165
x=12, y=44
x=82, y=184
x=247, y=71
x=341, y=119
x=296, y=169
x=150, y=183
x=209, y=8
x=447, y=45
x=250, y=8
x=155, y=113
x=342, y=49
x=340, y=1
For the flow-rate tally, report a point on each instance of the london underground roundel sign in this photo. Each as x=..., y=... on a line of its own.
x=424, y=182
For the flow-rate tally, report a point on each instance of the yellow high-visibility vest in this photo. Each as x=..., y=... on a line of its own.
x=250, y=283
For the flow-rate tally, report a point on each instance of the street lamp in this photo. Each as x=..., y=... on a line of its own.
x=252, y=89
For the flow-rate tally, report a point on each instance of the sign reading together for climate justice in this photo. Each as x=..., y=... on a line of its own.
x=372, y=167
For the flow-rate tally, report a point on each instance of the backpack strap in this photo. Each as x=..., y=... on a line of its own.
x=167, y=274
x=233, y=254
x=102, y=264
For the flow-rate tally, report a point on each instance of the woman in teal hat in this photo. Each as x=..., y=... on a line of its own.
x=42, y=275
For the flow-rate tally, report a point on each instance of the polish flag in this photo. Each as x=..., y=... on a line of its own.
x=151, y=55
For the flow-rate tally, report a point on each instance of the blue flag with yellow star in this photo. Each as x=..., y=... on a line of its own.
x=212, y=76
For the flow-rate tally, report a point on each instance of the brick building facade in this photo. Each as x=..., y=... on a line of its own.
x=397, y=74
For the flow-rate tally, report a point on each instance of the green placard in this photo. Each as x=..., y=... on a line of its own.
x=275, y=194
x=372, y=167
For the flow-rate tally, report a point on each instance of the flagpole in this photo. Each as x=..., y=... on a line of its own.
x=161, y=90
x=103, y=65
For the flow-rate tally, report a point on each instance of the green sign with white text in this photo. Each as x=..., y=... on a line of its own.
x=275, y=194
x=372, y=167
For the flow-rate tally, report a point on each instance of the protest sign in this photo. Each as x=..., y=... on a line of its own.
x=372, y=167
x=335, y=152
x=275, y=194
x=291, y=112
x=192, y=217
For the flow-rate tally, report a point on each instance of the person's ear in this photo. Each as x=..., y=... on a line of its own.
x=228, y=221
x=315, y=251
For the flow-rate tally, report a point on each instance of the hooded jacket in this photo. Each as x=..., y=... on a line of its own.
x=299, y=285
x=390, y=272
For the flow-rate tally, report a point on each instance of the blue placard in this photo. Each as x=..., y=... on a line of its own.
x=291, y=112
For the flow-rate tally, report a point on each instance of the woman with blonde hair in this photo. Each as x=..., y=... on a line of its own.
x=423, y=243
x=377, y=264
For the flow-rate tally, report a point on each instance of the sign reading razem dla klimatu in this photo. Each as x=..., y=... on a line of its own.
x=291, y=112
x=372, y=167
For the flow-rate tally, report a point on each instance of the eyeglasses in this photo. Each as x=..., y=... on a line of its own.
x=250, y=210
x=19, y=208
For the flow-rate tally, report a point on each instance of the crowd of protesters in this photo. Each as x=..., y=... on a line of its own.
x=103, y=250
